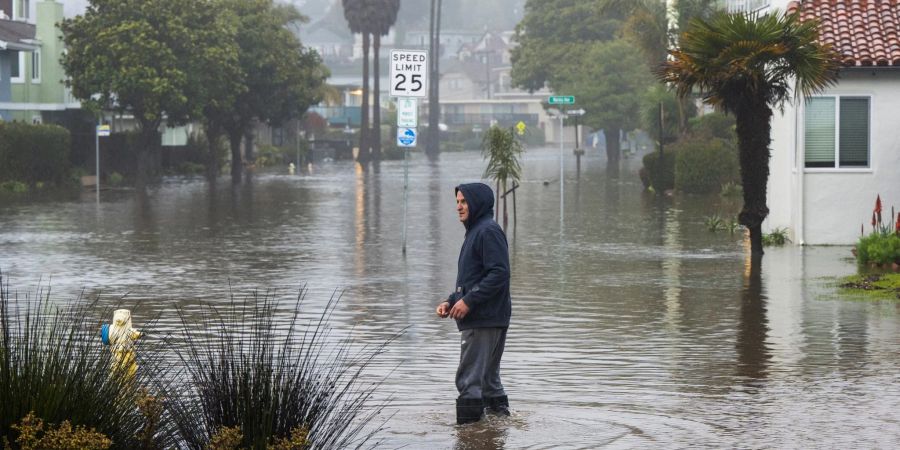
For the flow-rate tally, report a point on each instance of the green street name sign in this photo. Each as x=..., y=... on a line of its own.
x=562, y=100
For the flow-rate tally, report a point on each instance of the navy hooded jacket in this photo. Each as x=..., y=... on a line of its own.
x=482, y=277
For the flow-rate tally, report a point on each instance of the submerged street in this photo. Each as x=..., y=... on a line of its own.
x=633, y=326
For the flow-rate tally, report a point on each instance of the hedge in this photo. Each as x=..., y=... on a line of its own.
x=33, y=153
x=661, y=176
x=704, y=164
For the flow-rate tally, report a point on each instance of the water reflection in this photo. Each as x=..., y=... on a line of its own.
x=489, y=434
x=752, y=351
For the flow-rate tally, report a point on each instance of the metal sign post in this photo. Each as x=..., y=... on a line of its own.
x=102, y=130
x=409, y=80
x=561, y=100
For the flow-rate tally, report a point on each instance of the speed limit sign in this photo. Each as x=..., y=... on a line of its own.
x=409, y=73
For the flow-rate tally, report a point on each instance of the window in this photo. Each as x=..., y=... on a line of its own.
x=837, y=132
x=17, y=65
x=36, y=66
x=21, y=9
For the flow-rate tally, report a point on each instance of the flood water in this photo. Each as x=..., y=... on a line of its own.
x=633, y=326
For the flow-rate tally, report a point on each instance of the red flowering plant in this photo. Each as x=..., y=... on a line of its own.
x=882, y=246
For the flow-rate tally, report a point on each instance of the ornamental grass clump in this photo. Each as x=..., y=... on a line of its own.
x=54, y=367
x=255, y=373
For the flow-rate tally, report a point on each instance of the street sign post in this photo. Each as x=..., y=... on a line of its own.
x=562, y=100
x=409, y=81
x=407, y=112
x=409, y=73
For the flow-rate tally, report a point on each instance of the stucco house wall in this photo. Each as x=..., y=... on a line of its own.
x=836, y=202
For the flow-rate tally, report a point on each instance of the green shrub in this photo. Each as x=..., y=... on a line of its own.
x=704, y=164
x=717, y=125
x=16, y=187
x=714, y=223
x=115, y=179
x=270, y=155
x=660, y=173
x=32, y=153
x=777, y=238
x=878, y=248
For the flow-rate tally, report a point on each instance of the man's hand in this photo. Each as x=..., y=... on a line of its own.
x=443, y=310
x=460, y=309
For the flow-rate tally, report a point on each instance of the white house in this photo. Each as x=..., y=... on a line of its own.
x=833, y=153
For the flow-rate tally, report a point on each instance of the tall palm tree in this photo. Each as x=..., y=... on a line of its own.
x=358, y=14
x=502, y=151
x=744, y=65
x=381, y=24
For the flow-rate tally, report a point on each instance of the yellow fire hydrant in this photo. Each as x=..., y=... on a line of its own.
x=120, y=336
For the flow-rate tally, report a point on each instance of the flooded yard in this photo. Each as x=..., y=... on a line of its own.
x=633, y=326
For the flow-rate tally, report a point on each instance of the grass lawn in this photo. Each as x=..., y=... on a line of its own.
x=884, y=286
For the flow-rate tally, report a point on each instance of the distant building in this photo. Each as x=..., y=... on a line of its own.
x=38, y=89
x=17, y=36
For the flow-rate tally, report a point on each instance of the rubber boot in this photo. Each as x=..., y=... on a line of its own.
x=498, y=406
x=468, y=410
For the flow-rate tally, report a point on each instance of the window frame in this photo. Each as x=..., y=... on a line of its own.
x=20, y=79
x=836, y=157
x=36, y=62
x=17, y=13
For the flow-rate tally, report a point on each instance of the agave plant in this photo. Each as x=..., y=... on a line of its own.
x=258, y=379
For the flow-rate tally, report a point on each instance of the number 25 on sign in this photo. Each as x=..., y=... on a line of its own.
x=409, y=73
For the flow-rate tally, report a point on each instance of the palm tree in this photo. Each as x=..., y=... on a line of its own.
x=358, y=14
x=502, y=150
x=381, y=24
x=744, y=65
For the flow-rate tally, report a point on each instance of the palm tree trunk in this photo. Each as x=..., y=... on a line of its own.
x=515, y=218
x=376, y=106
x=434, y=108
x=505, y=215
x=364, y=119
x=753, y=132
x=497, y=203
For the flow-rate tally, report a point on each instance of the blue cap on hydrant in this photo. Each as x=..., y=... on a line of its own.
x=104, y=333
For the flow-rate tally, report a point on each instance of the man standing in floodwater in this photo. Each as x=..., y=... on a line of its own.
x=481, y=305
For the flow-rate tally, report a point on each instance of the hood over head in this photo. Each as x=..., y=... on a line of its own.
x=480, y=198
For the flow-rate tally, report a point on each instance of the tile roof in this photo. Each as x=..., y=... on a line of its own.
x=866, y=33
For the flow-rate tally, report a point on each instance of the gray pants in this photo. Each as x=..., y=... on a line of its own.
x=478, y=375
